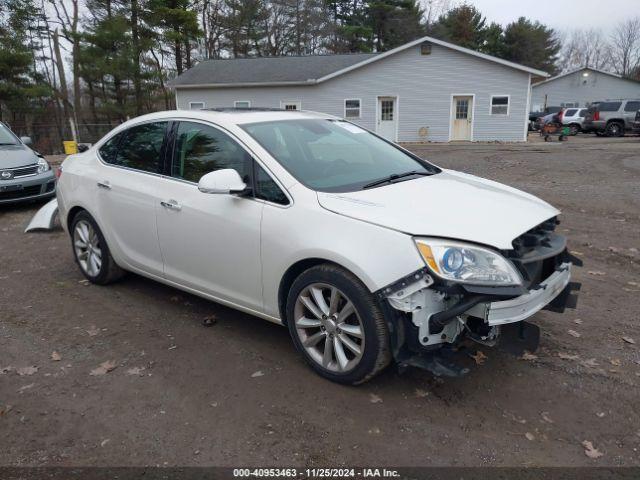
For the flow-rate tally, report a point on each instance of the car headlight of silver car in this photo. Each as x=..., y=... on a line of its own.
x=43, y=166
x=466, y=263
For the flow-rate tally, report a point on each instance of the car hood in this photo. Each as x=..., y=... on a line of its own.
x=449, y=204
x=12, y=156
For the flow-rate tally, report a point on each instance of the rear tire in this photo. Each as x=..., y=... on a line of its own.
x=91, y=251
x=337, y=325
x=574, y=129
x=615, y=129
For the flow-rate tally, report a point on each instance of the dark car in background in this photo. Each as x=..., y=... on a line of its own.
x=24, y=174
x=612, y=118
x=534, y=117
x=635, y=128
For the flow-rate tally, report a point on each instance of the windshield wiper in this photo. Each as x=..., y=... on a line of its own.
x=395, y=176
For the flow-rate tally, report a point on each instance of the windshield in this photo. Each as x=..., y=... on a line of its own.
x=6, y=137
x=334, y=155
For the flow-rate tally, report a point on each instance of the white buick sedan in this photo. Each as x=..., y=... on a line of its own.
x=367, y=253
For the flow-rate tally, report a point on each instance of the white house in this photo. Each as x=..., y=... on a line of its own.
x=582, y=87
x=425, y=90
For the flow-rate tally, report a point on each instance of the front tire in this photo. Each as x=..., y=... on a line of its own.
x=91, y=251
x=337, y=325
x=615, y=129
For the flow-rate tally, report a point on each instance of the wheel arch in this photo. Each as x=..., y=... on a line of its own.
x=294, y=271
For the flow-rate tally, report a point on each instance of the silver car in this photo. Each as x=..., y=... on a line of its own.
x=24, y=174
x=573, y=118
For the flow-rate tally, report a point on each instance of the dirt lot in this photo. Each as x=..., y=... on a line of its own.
x=238, y=394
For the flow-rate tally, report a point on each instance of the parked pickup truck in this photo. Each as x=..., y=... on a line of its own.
x=611, y=118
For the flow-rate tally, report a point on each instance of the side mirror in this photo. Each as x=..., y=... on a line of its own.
x=26, y=140
x=82, y=147
x=223, y=181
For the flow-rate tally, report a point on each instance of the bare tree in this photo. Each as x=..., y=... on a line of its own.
x=625, y=46
x=585, y=48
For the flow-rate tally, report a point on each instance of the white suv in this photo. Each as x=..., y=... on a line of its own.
x=366, y=252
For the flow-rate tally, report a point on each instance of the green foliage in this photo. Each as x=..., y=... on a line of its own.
x=395, y=22
x=531, y=44
x=464, y=26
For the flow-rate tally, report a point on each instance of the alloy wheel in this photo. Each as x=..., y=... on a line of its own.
x=87, y=248
x=329, y=327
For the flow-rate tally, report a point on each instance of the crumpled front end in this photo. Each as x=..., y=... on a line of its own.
x=432, y=316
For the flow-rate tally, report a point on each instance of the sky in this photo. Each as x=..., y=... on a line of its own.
x=561, y=14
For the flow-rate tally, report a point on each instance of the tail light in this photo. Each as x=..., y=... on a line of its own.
x=59, y=172
x=596, y=115
x=561, y=115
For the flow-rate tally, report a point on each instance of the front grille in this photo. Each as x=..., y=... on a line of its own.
x=24, y=171
x=23, y=192
x=538, y=252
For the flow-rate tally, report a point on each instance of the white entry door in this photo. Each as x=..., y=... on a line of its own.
x=462, y=118
x=387, y=118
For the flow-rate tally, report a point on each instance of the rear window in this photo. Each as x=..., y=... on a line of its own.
x=570, y=112
x=632, y=106
x=609, y=106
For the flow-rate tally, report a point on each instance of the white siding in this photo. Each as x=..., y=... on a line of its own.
x=424, y=85
x=584, y=90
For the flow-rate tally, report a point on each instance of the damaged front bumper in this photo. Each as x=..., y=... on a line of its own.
x=429, y=318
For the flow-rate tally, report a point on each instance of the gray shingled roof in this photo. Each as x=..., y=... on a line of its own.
x=268, y=69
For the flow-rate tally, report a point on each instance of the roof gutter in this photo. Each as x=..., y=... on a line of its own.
x=311, y=81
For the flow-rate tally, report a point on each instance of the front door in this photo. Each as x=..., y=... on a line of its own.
x=210, y=242
x=387, y=118
x=462, y=118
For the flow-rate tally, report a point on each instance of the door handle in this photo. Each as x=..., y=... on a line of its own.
x=104, y=185
x=171, y=205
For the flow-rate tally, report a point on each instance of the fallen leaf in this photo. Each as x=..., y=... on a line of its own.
x=629, y=340
x=528, y=356
x=479, y=357
x=616, y=362
x=577, y=321
x=257, y=374
x=93, y=331
x=209, y=320
x=104, y=368
x=590, y=451
x=27, y=370
x=56, y=357
x=530, y=436
x=575, y=252
x=573, y=333
x=6, y=409
x=172, y=347
x=545, y=417
x=421, y=393
x=373, y=398
x=104, y=442
x=600, y=414
x=634, y=284
x=567, y=356
x=135, y=370
x=4, y=370
x=596, y=273
x=590, y=363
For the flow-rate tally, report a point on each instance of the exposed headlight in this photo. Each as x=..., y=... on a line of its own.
x=465, y=263
x=43, y=166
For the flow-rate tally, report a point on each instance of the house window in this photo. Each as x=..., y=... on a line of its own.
x=500, y=105
x=242, y=104
x=196, y=105
x=352, y=108
x=291, y=106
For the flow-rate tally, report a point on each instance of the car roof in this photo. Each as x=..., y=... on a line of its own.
x=233, y=116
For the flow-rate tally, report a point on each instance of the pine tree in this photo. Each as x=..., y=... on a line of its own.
x=532, y=44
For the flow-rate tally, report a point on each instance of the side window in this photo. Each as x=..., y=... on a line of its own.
x=141, y=147
x=109, y=150
x=267, y=189
x=200, y=149
x=632, y=107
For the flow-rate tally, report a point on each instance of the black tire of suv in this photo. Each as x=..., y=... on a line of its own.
x=377, y=353
x=574, y=129
x=615, y=129
x=109, y=270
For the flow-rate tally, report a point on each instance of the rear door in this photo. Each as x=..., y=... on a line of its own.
x=210, y=242
x=128, y=183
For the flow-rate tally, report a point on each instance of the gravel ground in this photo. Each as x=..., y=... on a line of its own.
x=238, y=394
